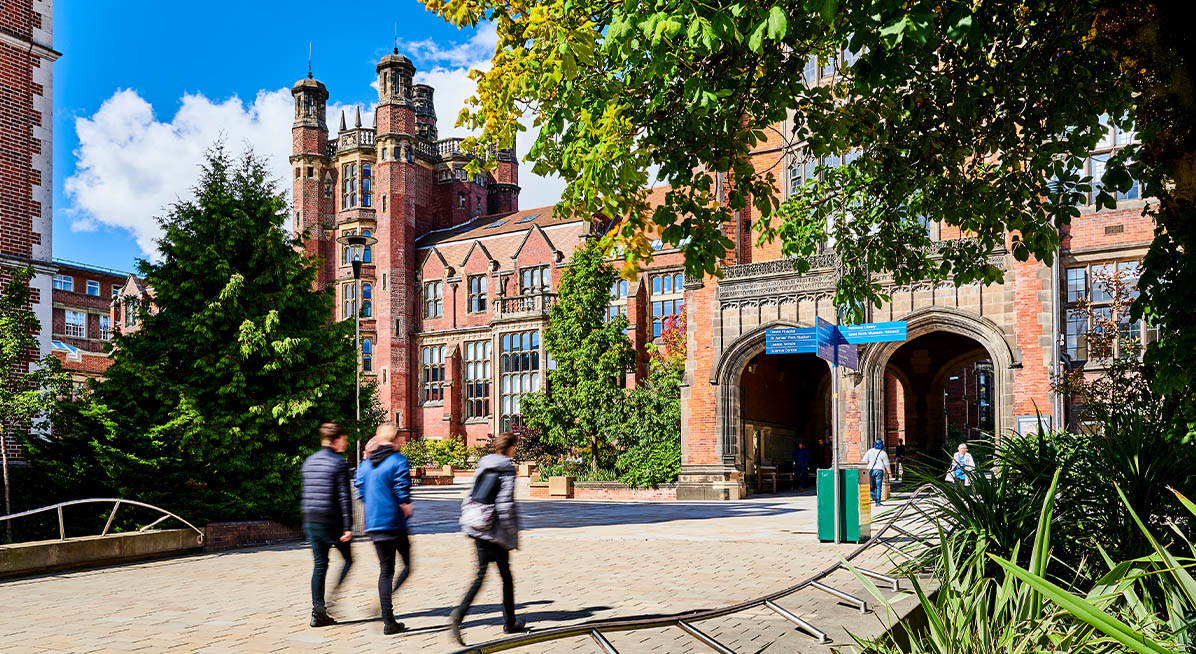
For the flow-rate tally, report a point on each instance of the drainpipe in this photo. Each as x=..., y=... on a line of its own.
x=1056, y=399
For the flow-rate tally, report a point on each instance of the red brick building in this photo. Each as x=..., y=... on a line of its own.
x=82, y=317
x=455, y=297
x=456, y=293
x=978, y=361
x=26, y=82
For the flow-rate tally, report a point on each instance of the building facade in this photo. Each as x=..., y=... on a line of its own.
x=454, y=298
x=82, y=324
x=26, y=129
x=979, y=360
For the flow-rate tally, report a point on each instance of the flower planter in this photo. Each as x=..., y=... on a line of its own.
x=560, y=487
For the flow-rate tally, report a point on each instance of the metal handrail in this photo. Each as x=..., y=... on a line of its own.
x=111, y=516
x=596, y=628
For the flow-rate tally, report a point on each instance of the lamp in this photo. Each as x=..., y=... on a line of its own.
x=357, y=244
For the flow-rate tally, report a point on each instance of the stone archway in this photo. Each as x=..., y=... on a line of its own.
x=725, y=376
x=874, y=361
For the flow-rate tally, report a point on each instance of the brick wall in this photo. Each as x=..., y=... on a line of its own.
x=223, y=536
x=619, y=491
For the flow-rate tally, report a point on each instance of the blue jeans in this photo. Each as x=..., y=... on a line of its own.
x=878, y=482
x=323, y=538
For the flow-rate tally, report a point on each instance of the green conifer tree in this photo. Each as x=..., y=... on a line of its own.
x=591, y=354
x=216, y=399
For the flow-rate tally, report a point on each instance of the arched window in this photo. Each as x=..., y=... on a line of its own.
x=366, y=293
x=365, y=170
x=367, y=254
x=367, y=355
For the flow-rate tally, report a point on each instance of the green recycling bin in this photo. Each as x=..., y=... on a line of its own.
x=855, y=510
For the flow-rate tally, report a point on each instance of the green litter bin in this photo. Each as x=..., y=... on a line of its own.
x=855, y=510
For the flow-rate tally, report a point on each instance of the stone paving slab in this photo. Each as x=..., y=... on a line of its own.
x=578, y=561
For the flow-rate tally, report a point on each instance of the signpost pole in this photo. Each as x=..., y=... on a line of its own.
x=835, y=448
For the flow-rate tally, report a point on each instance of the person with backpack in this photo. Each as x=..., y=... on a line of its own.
x=327, y=514
x=384, y=485
x=490, y=519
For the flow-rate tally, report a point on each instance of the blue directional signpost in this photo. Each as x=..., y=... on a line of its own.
x=838, y=346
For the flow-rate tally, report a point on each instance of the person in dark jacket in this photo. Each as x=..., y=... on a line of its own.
x=327, y=513
x=801, y=465
x=495, y=542
x=384, y=485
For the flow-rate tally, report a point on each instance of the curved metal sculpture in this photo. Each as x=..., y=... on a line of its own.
x=116, y=502
x=685, y=621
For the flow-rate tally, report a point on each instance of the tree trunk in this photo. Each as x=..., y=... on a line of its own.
x=594, y=454
x=7, y=501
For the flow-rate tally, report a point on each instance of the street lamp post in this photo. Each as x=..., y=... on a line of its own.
x=357, y=244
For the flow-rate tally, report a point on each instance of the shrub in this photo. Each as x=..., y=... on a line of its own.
x=450, y=451
x=417, y=454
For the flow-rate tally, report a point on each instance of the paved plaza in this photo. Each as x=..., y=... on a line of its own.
x=578, y=561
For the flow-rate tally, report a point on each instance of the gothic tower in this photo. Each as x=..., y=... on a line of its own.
x=314, y=178
x=398, y=183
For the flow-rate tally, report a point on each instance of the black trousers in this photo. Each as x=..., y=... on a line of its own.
x=323, y=538
x=386, y=544
x=487, y=552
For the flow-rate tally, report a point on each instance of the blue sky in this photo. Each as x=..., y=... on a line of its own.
x=143, y=87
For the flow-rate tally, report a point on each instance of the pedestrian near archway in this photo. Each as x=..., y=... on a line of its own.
x=876, y=461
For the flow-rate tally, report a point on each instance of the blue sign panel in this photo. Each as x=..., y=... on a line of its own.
x=789, y=340
x=874, y=332
x=848, y=356
x=828, y=339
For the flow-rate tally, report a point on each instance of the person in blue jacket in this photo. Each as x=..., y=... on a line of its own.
x=384, y=485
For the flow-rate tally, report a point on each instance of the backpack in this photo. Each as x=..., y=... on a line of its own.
x=477, y=511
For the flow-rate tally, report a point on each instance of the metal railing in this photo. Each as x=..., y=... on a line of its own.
x=116, y=503
x=685, y=621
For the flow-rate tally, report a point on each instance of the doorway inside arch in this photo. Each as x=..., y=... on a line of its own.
x=940, y=390
x=785, y=399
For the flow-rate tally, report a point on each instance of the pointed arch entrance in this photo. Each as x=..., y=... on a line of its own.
x=955, y=376
x=768, y=403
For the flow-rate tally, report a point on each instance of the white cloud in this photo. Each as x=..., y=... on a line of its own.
x=131, y=164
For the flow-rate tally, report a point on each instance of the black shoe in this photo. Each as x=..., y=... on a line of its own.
x=519, y=627
x=455, y=626
x=321, y=619
x=391, y=627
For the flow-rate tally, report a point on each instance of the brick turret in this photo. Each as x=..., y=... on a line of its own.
x=314, y=178
x=399, y=190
